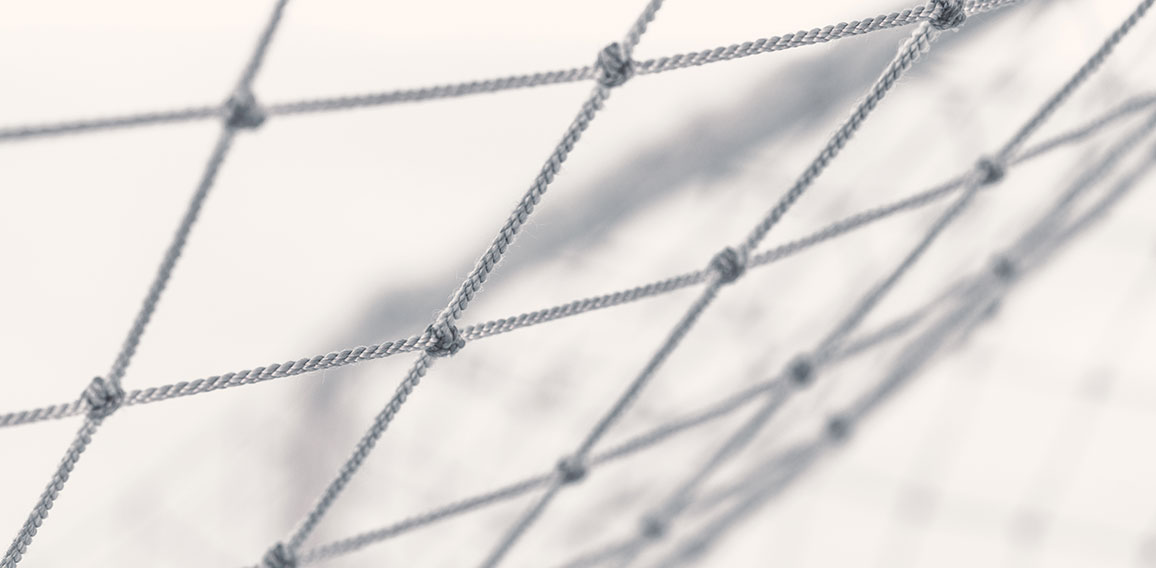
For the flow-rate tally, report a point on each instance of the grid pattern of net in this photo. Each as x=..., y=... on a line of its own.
x=968, y=304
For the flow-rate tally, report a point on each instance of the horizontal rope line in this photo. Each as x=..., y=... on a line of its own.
x=801, y=38
x=636, y=444
x=505, y=325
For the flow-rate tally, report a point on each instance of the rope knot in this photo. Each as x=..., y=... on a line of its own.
x=103, y=397
x=572, y=469
x=447, y=339
x=991, y=171
x=614, y=66
x=949, y=14
x=730, y=264
x=242, y=110
x=801, y=370
x=838, y=428
x=279, y=557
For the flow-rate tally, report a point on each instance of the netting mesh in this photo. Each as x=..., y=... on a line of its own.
x=708, y=509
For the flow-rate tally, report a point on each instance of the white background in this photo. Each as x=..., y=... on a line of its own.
x=346, y=228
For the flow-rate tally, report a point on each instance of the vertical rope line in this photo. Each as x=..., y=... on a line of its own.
x=39, y=512
x=531, y=515
x=673, y=340
x=220, y=151
x=24, y=537
x=360, y=452
x=673, y=505
x=1090, y=66
x=1085, y=180
x=172, y=254
x=917, y=44
x=494, y=327
x=449, y=315
x=506, y=235
x=624, y=449
x=445, y=322
x=678, y=500
x=883, y=288
x=639, y=27
x=263, y=41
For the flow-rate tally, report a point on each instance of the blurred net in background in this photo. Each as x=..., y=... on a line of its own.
x=1029, y=456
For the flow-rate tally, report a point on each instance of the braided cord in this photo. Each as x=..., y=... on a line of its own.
x=919, y=43
x=627, y=448
x=1086, y=70
x=444, y=324
x=659, y=65
x=111, y=394
x=838, y=427
x=504, y=325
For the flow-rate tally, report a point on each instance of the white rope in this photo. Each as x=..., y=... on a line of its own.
x=801, y=38
x=614, y=66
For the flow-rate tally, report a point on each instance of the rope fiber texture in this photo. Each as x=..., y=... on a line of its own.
x=986, y=172
x=613, y=67
x=914, y=15
x=105, y=395
x=512, y=323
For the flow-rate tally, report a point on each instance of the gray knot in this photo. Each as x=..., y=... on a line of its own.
x=242, y=110
x=730, y=264
x=447, y=339
x=571, y=469
x=949, y=14
x=103, y=397
x=1003, y=268
x=653, y=527
x=990, y=170
x=614, y=67
x=279, y=557
x=838, y=428
x=801, y=370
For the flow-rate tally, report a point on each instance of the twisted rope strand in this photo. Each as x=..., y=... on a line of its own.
x=677, y=501
x=443, y=338
x=917, y=44
x=444, y=325
x=109, y=387
x=627, y=448
x=801, y=38
x=969, y=314
x=504, y=325
x=1086, y=70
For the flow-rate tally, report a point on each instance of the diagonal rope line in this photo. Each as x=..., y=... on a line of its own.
x=680, y=497
x=914, y=15
x=770, y=472
x=627, y=448
x=921, y=349
x=1090, y=66
x=916, y=45
x=615, y=68
x=105, y=395
x=962, y=320
x=615, y=65
x=766, y=487
x=504, y=325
